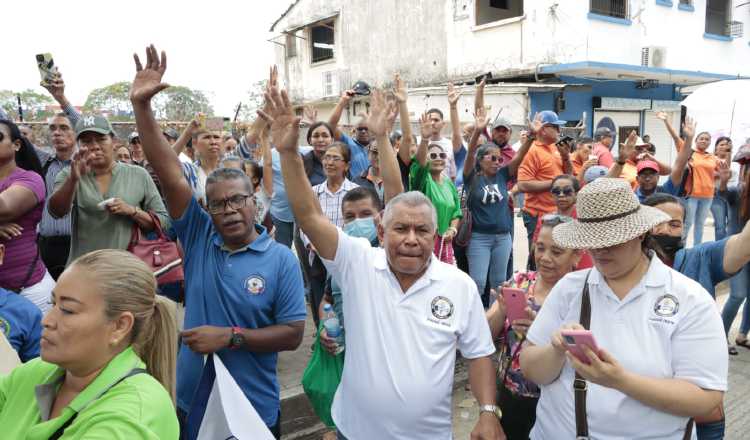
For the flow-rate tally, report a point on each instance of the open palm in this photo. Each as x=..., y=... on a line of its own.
x=282, y=120
x=382, y=113
x=147, y=82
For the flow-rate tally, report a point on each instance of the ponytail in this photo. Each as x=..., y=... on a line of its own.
x=157, y=343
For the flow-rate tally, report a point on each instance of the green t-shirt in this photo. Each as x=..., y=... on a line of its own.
x=443, y=195
x=137, y=408
x=93, y=228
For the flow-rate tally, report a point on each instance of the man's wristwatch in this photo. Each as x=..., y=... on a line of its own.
x=237, y=340
x=494, y=409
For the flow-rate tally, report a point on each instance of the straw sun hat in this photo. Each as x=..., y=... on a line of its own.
x=608, y=214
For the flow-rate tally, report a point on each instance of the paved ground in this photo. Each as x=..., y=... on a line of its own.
x=292, y=364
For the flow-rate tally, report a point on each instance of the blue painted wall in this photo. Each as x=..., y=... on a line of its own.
x=579, y=101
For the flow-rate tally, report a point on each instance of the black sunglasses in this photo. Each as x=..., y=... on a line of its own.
x=568, y=191
x=434, y=156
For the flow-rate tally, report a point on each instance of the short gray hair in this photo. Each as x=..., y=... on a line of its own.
x=230, y=159
x=412, y=199
x=222, y=174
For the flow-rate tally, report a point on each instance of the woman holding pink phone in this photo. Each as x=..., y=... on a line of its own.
x=661, y=358
x=509, y=321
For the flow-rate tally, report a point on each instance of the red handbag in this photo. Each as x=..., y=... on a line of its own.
x=162, y=255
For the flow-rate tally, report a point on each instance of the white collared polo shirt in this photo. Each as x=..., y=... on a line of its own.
x=401, y=347
x=666, y=327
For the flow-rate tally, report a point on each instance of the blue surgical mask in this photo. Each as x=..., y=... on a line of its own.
x=362, y=227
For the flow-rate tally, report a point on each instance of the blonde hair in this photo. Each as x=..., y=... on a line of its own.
x=128, y=285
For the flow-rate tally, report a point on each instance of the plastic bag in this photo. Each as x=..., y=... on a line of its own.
x=321, y=379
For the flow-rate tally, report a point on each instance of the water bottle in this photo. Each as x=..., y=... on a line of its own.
x=333, y=327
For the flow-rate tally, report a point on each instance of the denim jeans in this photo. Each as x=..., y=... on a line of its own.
x=530, y=221
x=284, y=231
x=739, y=286
x=489, y=252
x=720, y=213
x=710, y=431
x=697, y=211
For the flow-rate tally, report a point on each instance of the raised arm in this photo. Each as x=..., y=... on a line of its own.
x=625, y=151
x=425, y=126
x=381, y=118
x=56, y=88
x=678, y=170
x=670, y=129
x=305, y=207
x=265, y=149
x=187, y=133
x=526, y=142
x=399, y=91
x=737, y=251
x=163, y=159
x=346, y=97
x=480, y=124
x=453, y=97
x=479, y=96
x=61, y=201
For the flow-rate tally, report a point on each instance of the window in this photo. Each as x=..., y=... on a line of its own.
x=321, y=40
x=686, y=2
x=718, y=17
x=489, y=11
x=291, y=46
x=328, y=78
x=610, y=8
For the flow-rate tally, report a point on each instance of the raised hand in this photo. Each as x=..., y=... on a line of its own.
x=453, y=95
x=536, y=125
x=273, y=77
x=381, y=112
x=628, y=148
x=281, y=118
x=80, y=164
x=399, y=89
x=661, y=115
x=55, y=87
x=688, y=127
x=426, y=126
x=147, y=82
x=480, y=119
x=724, y=171
x=310, y=115
x=347, y=96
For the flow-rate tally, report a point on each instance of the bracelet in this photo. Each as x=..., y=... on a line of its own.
x=135, y=212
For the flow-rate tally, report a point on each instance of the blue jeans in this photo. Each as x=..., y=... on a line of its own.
x=489, y=252
x=697, y=211
x=720, y=213
x=710, y=431
x=739, y=292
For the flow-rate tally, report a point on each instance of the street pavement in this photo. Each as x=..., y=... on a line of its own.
x=465, y=410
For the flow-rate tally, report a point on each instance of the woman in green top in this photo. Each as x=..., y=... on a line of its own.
x=427, y=176
x=106, y=197
x=91, y=380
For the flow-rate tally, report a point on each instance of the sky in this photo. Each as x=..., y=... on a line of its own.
x=217, y=46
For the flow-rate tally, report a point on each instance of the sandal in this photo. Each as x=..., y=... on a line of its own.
x=743, y=343
x=733, y=350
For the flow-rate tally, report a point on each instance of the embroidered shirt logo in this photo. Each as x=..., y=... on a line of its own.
x=255, y=285
x=666, y=305
x=442, y=307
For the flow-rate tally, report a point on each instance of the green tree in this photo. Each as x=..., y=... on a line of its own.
x=253, y=100
x=112, y=99
x=179, y=103
x=34, y=104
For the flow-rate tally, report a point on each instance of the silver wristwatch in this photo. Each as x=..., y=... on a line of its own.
x=494, y=409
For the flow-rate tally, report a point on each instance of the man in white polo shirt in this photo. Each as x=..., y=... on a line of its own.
x=406, y=312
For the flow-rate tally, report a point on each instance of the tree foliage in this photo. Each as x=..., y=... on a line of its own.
x=176, y=103
x=34, y=104
x=253, y=100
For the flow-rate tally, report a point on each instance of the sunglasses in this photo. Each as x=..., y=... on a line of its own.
x=493, y=158
x=434, y=156
x=567, y=191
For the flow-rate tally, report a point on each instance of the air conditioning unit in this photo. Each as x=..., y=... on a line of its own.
x=654, y=56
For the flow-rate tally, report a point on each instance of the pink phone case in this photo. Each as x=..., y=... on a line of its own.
x=515, y=304
x=574, y=339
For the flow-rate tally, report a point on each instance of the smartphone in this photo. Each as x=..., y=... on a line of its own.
x=103, y=204
x=215, y=124
x=201, y=117
x=576, y=339
x=515, y=304
x=46, y=65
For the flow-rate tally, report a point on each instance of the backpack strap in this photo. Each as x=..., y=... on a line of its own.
x=579, y=384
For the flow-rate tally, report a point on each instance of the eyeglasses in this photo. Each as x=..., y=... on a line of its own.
x=493, y=158
x=434, y=156
x=334, y=159
x=559, y=192
x=555, y=219
x=235, y=202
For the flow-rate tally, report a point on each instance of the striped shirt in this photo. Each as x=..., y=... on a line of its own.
x=331, y=203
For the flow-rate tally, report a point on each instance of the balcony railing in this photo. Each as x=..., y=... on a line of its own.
x=611, y=8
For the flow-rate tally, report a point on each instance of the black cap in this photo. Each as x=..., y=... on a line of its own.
x=361, y=88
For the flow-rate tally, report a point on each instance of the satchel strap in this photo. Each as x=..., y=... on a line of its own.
x=580, y=385
x=135, y=235
x=61, y=430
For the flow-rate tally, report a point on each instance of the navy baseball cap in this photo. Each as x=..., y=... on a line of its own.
x=550, y=118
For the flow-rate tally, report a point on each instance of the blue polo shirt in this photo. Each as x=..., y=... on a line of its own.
x=703, y=263
x=254, y=287
x=21, y=323
x=359, y=163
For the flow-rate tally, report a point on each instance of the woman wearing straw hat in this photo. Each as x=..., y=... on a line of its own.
x=660, y=358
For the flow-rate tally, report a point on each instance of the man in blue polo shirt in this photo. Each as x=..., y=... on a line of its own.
x=243, y=291
x=20, y=321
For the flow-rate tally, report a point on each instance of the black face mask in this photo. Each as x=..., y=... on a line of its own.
x=669, y=244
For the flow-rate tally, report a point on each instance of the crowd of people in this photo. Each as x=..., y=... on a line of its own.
x=406, y=238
